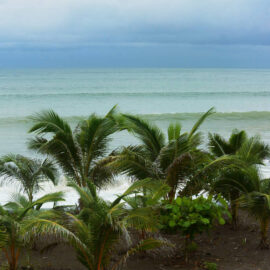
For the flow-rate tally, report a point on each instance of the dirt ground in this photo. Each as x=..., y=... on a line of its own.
x=229, y=249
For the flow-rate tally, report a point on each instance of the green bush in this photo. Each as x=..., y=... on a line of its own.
x=210, y=266
x=193, y=216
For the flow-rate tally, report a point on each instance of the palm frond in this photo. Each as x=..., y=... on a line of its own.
x=49, y=122
x=174, y=131
x=150, y=135
x=133, y=161
x=254, y=151
x=218, y=146
x=29, y=173
x=200, y=121
x=144, y=245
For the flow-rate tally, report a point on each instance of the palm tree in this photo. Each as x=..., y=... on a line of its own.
x=233, y=180
x=12, y=228
x=174, y=160
x=29, y=173
x=257, y=203
x=79, y=152
x=250, y=150
x=95, y=232
x=148, y=198
x=219, y=146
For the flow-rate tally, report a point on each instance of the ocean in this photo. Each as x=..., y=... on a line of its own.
x=241, y=98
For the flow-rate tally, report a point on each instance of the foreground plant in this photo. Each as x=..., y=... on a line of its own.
x=148, y=198
x=29, y=173
x=97, y=230
x=173, y=161
x=193, y=216
x=233, y=181
x=12, y=226
x=257, y=203
x=251, y=150
x=78, y=152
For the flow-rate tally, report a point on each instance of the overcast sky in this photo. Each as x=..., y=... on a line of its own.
x=135, y=33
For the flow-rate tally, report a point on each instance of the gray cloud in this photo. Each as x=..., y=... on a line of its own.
x=71, y=23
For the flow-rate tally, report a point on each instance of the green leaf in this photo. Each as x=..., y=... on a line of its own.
x=178, y=201
x=172, y=223
x=205, y=220
x=221, y=221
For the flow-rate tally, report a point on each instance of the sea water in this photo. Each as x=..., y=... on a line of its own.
x=241, y=98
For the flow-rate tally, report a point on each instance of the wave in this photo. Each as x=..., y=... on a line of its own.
x=137, y=94
x=231, y=116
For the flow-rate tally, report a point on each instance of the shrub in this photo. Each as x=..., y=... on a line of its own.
x=193, y=216
x=210, y=266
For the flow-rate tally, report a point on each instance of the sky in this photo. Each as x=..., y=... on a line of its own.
x=135, y=33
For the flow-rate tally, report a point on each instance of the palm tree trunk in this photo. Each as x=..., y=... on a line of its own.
x=30, y=198
x=186, y=244
x=14, y=258
x=80, y=204
x=172, y=194
x=264, y=230
x=7, y=256
x=101, y=251
x=234, y=209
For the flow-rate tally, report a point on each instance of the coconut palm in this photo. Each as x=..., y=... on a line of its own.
x=29, y=173
x=257, y=203
x=149, y=197
x=219, y=146
x=250, y=150
x=174, y=160
x=232, y=180
x=12, y=229
x=95, y=232
x=80, y=152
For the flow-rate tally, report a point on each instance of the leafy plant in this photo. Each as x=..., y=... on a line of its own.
x=193, y=216
x=210, y=266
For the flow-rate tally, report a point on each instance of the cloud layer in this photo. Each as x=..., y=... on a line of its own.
x=80, y=23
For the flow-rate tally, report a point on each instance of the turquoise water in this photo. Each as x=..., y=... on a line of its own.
x=241, y=98
x=145, y=91
x=163, y=95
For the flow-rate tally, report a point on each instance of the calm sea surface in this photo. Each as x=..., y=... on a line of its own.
x=241, y=99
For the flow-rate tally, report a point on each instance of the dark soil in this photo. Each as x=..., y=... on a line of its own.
x=229, y=249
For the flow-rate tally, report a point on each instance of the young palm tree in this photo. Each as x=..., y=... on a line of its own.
x=79, y=152
x=147, y=199
x=250, y=150
x=174, y=160
x=95, y=233
x=219, y=146
x=29, y=173
x=257, y=203
x=12, y=229
x=233, y=180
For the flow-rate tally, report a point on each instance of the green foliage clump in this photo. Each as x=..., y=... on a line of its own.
x=210, y=266
x=193, y=216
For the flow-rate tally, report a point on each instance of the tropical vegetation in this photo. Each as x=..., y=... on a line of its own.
x=193, y=216
x=179, y=184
